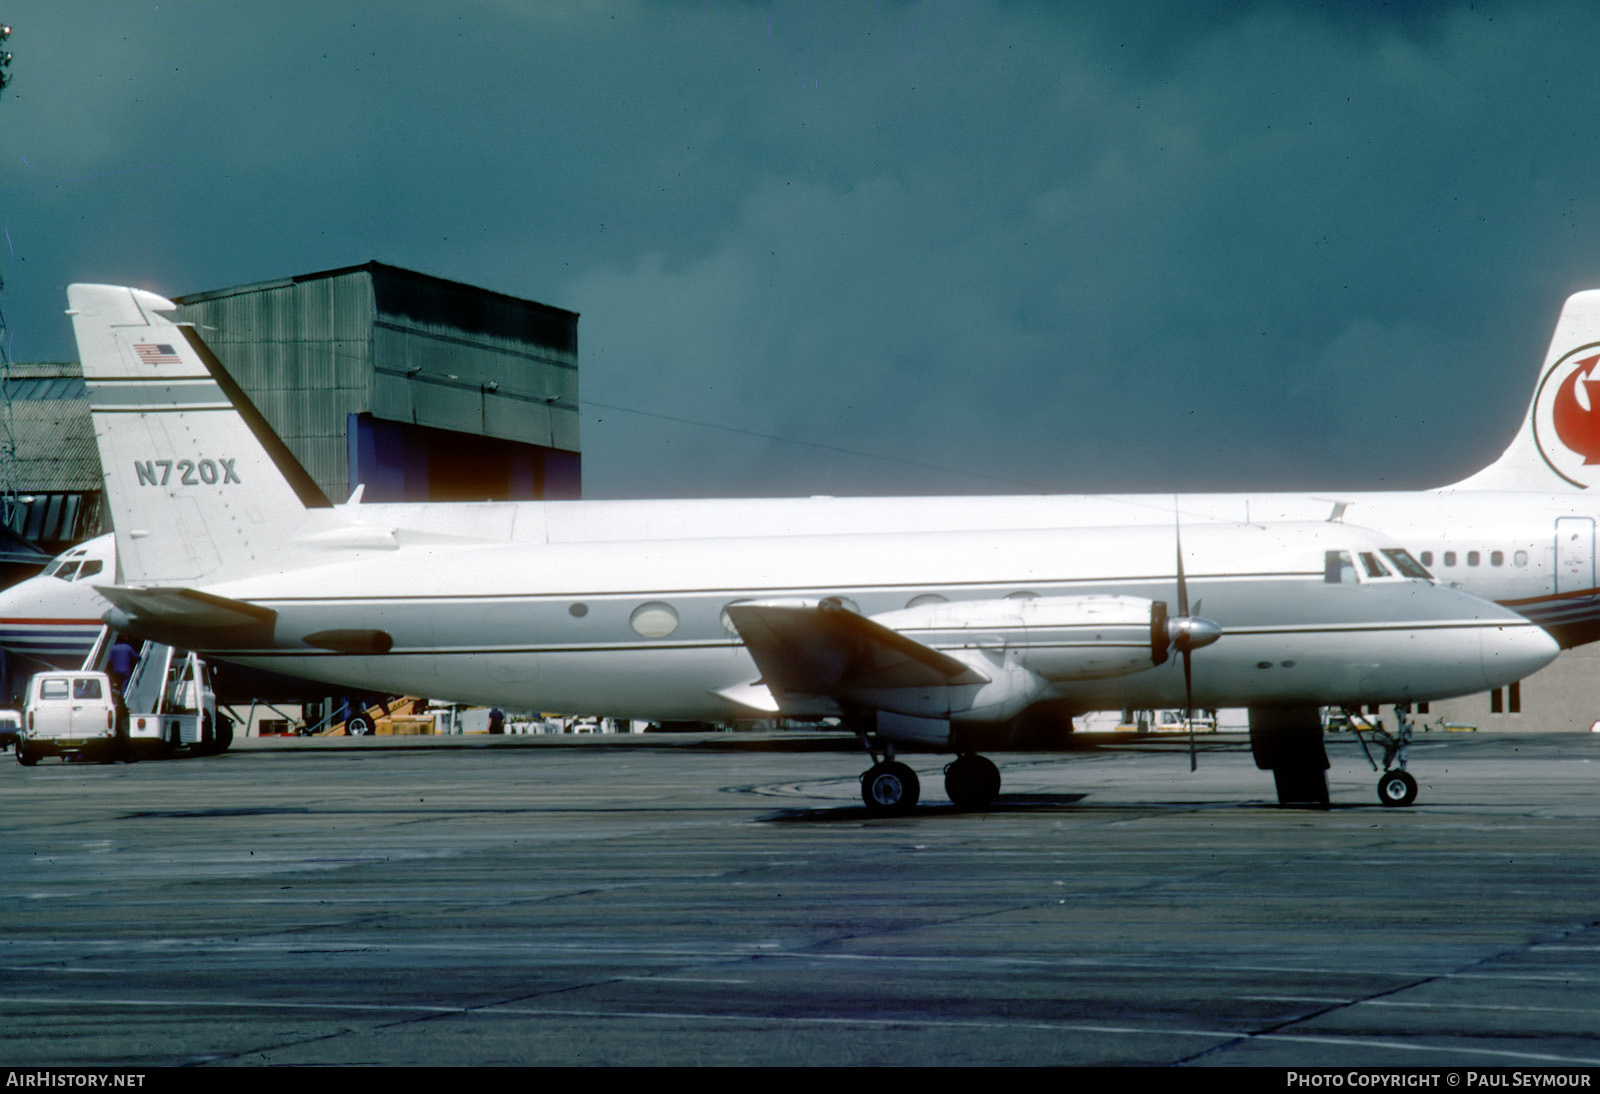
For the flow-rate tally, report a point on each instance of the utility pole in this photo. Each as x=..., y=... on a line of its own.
x=8, y=432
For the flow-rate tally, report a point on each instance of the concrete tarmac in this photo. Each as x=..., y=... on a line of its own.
x=681, y=901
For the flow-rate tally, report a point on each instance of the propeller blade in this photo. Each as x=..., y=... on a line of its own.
x=1184, y=640
x=1188, y=709
x=1183, y=585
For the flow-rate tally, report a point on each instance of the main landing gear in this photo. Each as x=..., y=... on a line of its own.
x=890, y=788
x=972, y=781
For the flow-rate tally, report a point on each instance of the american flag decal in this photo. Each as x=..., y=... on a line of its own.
x=152, y=353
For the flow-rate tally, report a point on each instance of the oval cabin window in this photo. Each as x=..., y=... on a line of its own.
x=654, y=620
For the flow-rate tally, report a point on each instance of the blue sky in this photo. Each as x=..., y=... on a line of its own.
x=1005, y=246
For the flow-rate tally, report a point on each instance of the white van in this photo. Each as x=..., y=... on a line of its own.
x=69, y=714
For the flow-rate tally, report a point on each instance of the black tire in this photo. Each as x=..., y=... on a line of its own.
x=359, y=726
x=1397, y=788
x=224, y=733
x=972, y=782
x=26, y=756
x=889, y=789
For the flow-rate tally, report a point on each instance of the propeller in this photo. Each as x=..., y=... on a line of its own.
x=1188, y=633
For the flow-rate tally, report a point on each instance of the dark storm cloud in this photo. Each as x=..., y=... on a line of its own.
x=1168, y=246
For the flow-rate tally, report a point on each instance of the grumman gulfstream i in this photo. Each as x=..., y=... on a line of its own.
x=940, y=621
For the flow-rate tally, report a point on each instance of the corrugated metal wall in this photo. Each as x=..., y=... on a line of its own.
x=303, y=353
x=452, y=357
x=399, y=346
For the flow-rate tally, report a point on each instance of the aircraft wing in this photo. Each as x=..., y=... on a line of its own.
x=187, y=617
x=826, y=649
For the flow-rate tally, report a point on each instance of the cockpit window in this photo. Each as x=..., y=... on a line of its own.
x=1373, y=567
x=1338, y=569
x=66, y=571
x=1408, y=566
x=90, y=568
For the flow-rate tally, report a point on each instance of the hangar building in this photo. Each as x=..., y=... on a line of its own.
x=421, y=388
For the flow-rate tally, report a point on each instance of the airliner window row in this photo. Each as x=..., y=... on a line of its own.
x=1475, y=558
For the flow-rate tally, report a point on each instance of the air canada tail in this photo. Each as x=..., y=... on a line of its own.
x=1558, y=446
x=200, y=488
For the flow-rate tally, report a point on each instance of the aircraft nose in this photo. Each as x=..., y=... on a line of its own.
x=1514, y=650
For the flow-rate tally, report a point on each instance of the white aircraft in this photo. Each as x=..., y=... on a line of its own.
x=54, y=618
x=894, y=615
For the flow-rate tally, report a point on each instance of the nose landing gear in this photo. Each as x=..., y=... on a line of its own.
x=1396, y=787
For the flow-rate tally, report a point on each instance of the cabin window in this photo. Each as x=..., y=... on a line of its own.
x=1472, y=558
x=1520, y=558
x=1374, y=568
x=1427, y=558
x=1407, y=565
x=1497, y=558
x=1449, y=558
x=1022, y=594
x=654, y=620
x=927, y=598
x=1338, y=569
x=578, y=611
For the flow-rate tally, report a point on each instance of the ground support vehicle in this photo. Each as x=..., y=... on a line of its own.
x=72, y=715
x=172, y=707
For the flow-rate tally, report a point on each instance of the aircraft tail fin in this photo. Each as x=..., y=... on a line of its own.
x=1558, y=446
x=198, y=484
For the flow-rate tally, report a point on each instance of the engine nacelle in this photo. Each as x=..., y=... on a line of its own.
x=1009, y=688
x=1057, y=638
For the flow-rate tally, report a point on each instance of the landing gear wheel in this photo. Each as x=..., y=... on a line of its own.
x=971, y=781
x=1397, y=788
x=359, y=726
x=890, y=788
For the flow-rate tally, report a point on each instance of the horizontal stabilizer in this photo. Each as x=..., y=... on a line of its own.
x=826, y=649
x=187, y=617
